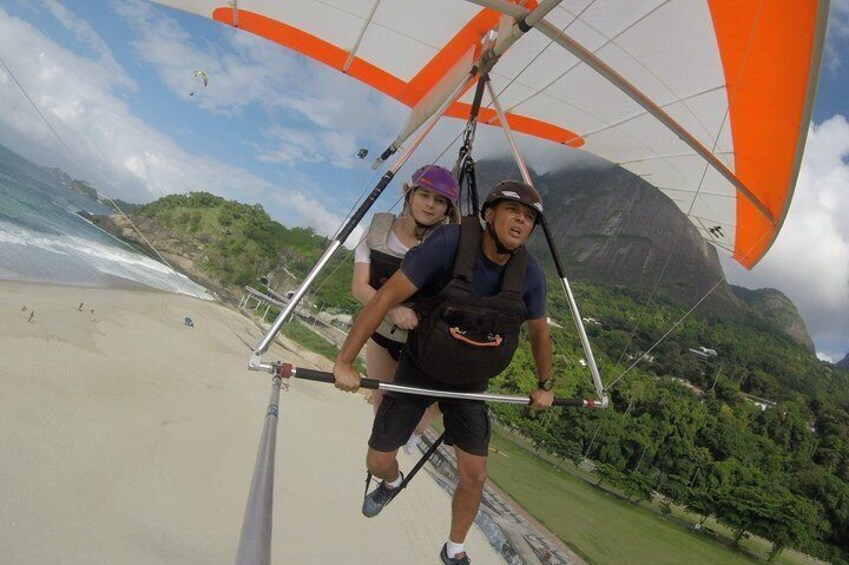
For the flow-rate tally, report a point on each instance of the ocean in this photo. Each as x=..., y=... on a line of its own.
x=43, y=239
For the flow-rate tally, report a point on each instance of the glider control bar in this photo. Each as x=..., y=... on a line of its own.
x=287, y=370
x=630, y=90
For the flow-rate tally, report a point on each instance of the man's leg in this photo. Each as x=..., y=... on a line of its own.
x=382, y=464
x=394, y=422
x=471, y=474
x=467, y=428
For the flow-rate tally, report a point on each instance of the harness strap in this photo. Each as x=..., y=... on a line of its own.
x=377, y=237
x=470, y=237
x=464, y=263
x=428, y=454
x=430, y=451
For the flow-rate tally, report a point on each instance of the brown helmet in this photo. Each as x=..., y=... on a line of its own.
x=516, y=191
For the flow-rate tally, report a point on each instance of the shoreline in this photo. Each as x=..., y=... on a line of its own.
x=129, y=437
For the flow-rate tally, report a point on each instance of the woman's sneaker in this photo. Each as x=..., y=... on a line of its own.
x=443, y=555
x=374, y=501
x=412, y=444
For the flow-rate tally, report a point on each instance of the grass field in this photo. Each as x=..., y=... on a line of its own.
x=602, y=527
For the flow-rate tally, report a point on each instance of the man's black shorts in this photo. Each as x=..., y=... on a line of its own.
x=467, y=424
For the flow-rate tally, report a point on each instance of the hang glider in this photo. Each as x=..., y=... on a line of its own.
x=708, y=101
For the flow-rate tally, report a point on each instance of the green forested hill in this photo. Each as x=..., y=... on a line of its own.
x=781, y=473
x=680, y=424
x=233, y=244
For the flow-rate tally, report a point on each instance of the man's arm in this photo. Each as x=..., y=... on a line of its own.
x=396, y=290
x=538, y=335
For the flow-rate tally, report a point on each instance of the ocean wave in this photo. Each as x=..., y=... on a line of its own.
x=110, y=259
x=17, y=235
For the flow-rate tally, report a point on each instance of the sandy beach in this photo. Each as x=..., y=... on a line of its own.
x=127, y=437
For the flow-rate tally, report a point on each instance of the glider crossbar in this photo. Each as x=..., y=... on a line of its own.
x=287, y=370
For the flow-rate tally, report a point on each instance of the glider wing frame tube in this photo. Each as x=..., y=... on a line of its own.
x=552, y=246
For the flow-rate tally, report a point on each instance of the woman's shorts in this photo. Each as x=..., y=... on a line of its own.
x=393, y=347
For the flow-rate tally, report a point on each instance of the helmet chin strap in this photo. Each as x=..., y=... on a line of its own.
x=498, y=245
x=421, y=229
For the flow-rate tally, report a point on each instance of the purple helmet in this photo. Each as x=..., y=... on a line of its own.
x=438, y=179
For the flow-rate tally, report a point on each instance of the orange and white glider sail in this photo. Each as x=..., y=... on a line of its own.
x=709, y=101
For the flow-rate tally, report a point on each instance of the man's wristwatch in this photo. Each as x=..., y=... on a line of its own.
x=547, y=384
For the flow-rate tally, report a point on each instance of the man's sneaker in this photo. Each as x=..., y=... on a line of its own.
x=412, y=444
x=374, y=501
x=453, y=560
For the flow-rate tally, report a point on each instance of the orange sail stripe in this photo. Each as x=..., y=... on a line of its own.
x=406, y=93
x=766, y=50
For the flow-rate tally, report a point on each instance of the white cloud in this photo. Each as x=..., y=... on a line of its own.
x=83, y=31
x=809, y=261
x=826, y=357
x=84, y=99
x=329, y=125
x=837, y=34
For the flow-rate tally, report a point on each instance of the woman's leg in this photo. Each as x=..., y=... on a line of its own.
x=380, y=366
x=431, y=414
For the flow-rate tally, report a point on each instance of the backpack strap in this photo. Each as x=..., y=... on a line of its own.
x=467, y=250
x=514, y=274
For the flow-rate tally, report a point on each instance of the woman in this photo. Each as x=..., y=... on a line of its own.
x=430, y=199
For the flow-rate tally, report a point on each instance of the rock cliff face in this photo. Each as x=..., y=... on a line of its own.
x=181, y=252
x=611, y=227
x=780, y=311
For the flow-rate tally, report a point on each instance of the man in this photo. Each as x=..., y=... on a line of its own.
x=473, y=289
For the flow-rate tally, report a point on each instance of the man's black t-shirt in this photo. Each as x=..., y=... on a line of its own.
x=430, y=266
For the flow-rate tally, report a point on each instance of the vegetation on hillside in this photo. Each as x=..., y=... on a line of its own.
x=239, y=243
x=683, y=425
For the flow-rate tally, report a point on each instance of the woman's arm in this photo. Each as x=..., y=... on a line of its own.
x=360, y=288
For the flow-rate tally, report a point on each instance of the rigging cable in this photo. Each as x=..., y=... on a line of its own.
x=684, y=227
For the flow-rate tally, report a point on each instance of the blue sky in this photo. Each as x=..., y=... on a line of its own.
x=114, y=80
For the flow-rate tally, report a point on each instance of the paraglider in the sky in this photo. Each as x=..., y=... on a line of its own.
x=200, y=81
x=362, y=153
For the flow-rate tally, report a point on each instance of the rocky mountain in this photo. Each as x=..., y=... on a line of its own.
x=613, y=228
x=844, y=363
x=774, y=307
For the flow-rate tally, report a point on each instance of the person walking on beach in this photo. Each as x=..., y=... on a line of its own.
x=474, y=289
x=430, y=200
